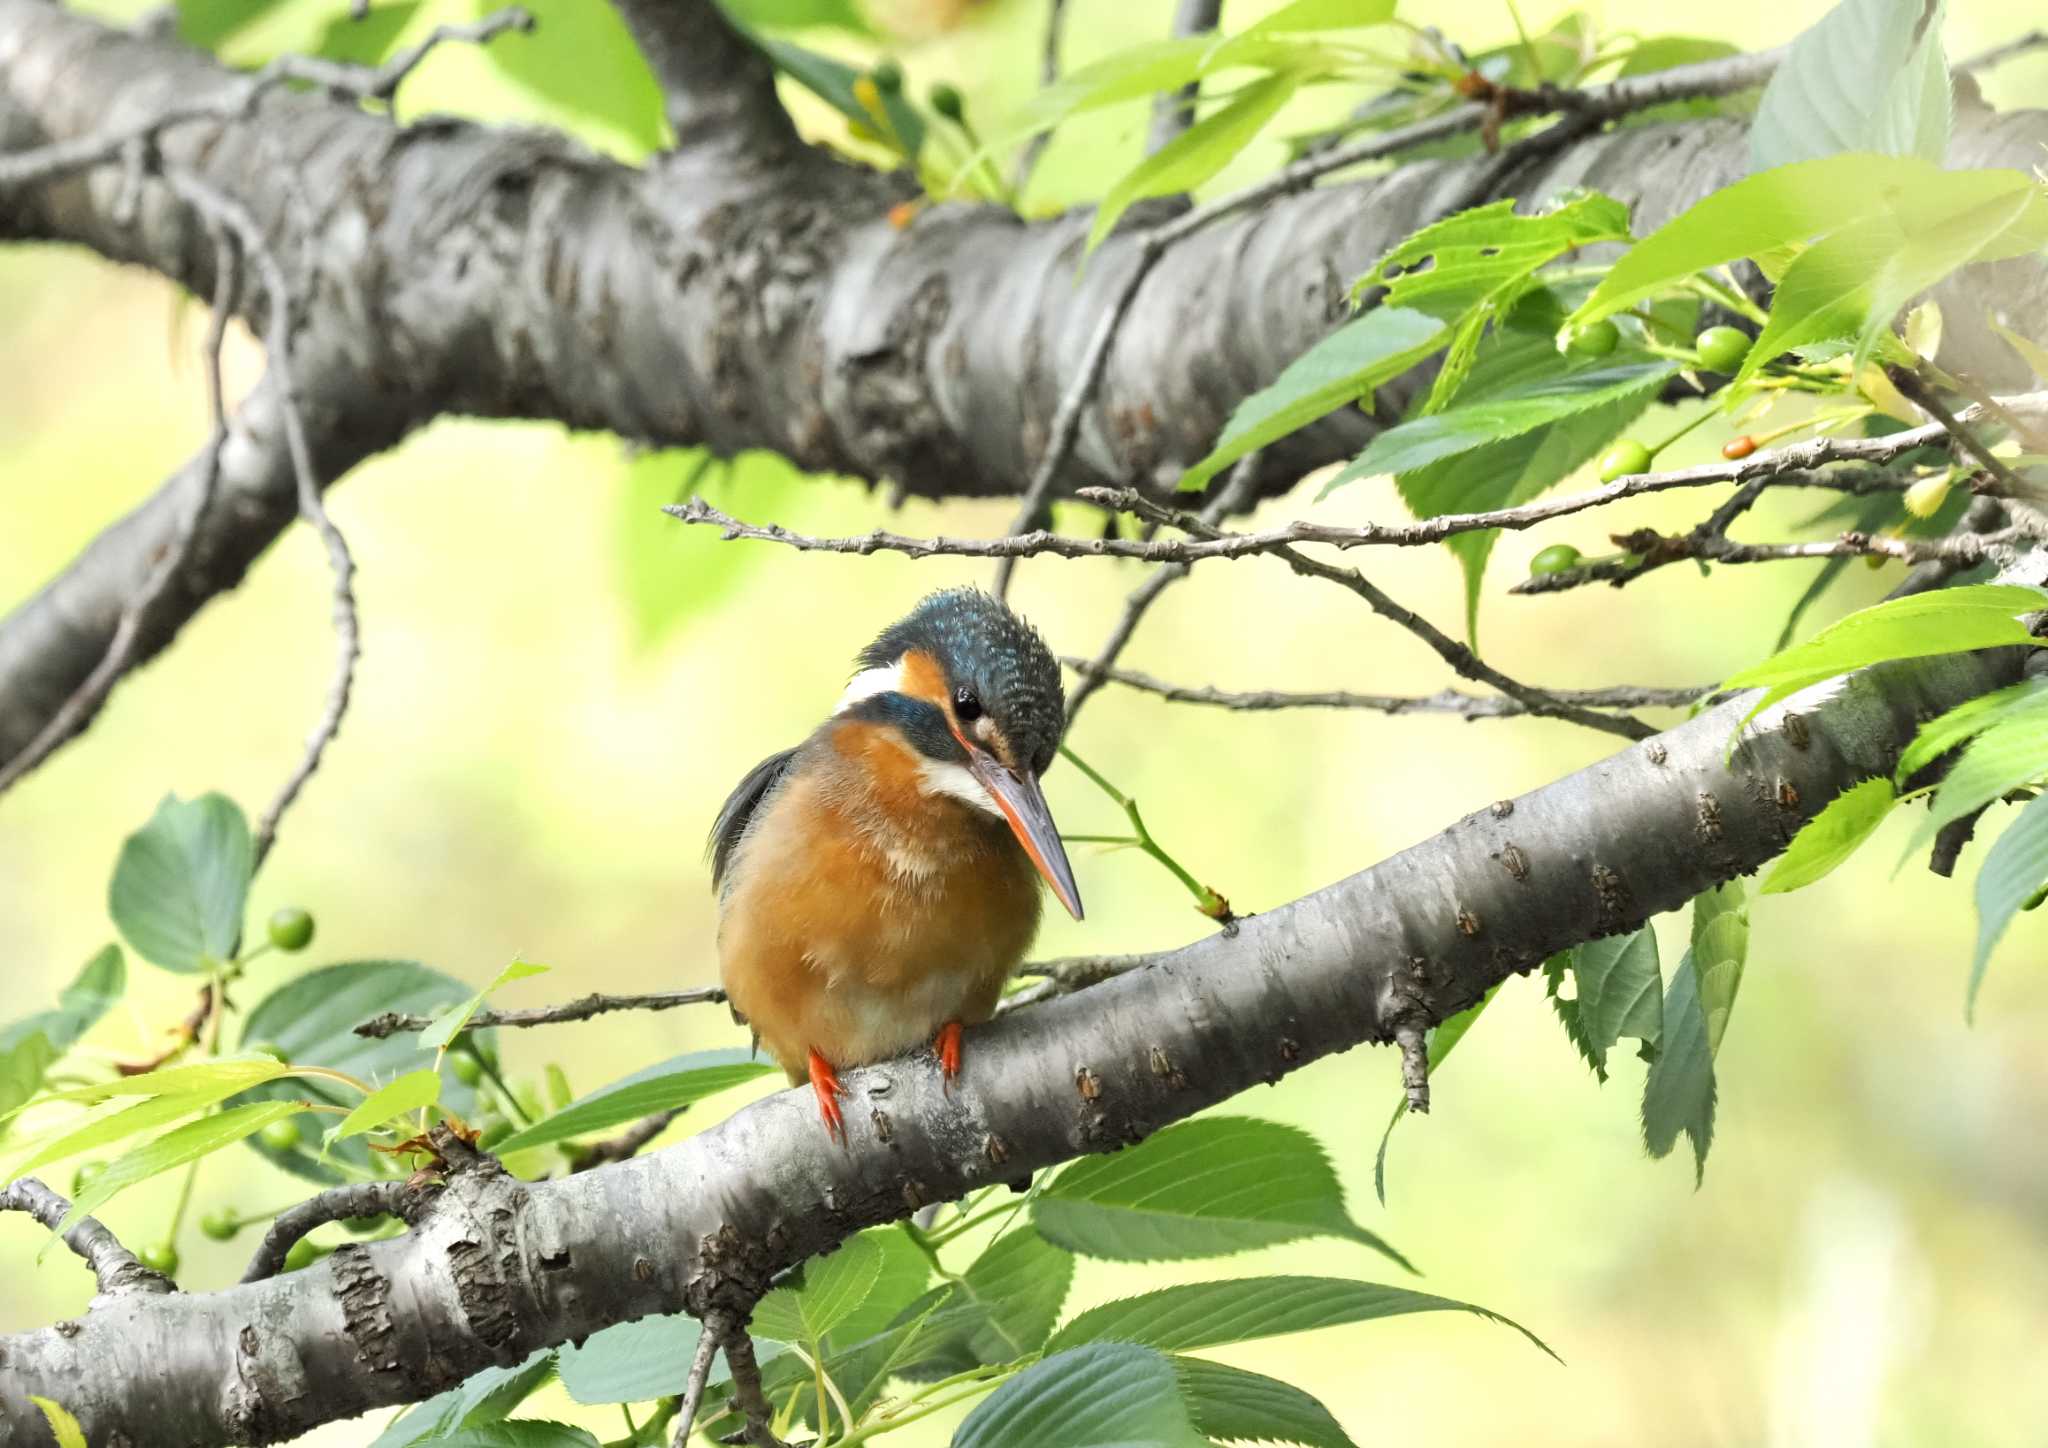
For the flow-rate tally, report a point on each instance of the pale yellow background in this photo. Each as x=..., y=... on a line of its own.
x=1867, y=1262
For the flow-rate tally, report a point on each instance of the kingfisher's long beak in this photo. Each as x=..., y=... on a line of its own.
x=1023, y=805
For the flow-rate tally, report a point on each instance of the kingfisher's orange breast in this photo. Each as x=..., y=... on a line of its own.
x=865, y=910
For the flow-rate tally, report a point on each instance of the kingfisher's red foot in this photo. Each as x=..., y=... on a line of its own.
x=946, y=1046
x=825, y=1082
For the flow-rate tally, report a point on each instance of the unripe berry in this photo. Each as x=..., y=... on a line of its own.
x=1624, y=459
x=291, y=929
x=1722, y=349
x=280, y=1135
x=221, y=1226
x=948, y=102
x=1554, y=559
x=1596, y=340
x=159, y=1257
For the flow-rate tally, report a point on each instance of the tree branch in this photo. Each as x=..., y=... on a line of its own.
x=114, y=1267
x=718, y=90
x=1446, y=701
x=581, y=1009
x=497, y=1268
x=1174, y=111
x=355, y=1199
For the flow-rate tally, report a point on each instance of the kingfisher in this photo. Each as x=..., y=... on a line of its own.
x=879, y=882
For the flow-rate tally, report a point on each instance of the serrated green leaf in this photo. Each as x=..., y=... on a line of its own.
x=1868, y=76
x=833, y=1287
x=181, y=881
x=1619, y=992
x=1343, y=368
x=119, y=1126
x=486, y=1397
x=633, y=1362
x=2007, y=756
x=402, y=1097
x=1720, y=950
x=2013, y=872
x=665, y=1086
x=1967, y=720
x=1831, y=836
x=1230, y=1405
x=29, y=1047
x=1443, y=1038
x=1211, y=1314
x=63, y=1427
x=1197, y=153
x=1679, y=1093
x=1949, y=620
x=312, y=1019
x=519, y=1433
x=232, y=1072
x=1200, y=1189
x=1106, y=1395
x=174, y=1148
x=449, y=1024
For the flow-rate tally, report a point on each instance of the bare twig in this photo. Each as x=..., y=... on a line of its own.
x=184, y=1035
x=1446, y=701
x=1065, y=976
x=1922, y=395
x=114, y=1267
x=1950, y=840
x=1048, y=72
x=1654, y=550
x=581, y=1009
x=1998, y=55
x=1414, y=1066
x=356, y=1199
x=746, y=1381
x=1174, y=111
x=693, y=1389
x=627, y=1143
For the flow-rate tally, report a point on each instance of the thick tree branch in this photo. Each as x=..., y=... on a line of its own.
x=497, y=1267
x=717, y=90
x=355, y=1199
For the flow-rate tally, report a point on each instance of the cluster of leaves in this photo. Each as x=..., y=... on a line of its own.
x=896, y=1325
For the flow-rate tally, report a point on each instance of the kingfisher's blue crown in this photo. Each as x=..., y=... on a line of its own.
x=985, y=647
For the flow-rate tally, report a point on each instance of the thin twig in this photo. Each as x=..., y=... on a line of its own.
x=1998, y=55
x=746, y=1383
x=1445, y=701
x=1048, y=72
x=1919, y=392
x=1064, y=977
x=1654, y=550
x=581, y=1009
x=1414, y=1066
x=114, y=1267
x=1174, y=111
x=693, y=1389
x=356, y=1199
x=627, y=1143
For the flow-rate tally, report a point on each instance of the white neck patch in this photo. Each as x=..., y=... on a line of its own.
x=944, y=777
x=870, y=682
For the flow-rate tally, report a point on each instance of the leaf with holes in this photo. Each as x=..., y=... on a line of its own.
x=1108, y=1395
x=1868, y=76
x=1200, y=1189
x=181, y=881
x=1619, y=991
x=1831, y=836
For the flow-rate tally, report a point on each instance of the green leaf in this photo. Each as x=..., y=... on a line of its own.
x=799, y=14
x=1124, y=75
x=671, y=575
x=207, y=23
x=313, y=1019
x=1230, y=1405
x=1509, y=414
x=1197, y=153
x=2013, y=871
x=1868, y=76
x=29, y=1046
x=1678, y=1095
x=2024, y=700
x=1720, y=949
x=1831, y=836
x=666, y=1086
x=1200, y=1189
x=133, y=1121
x=1979, y=616
x=449, y=1024
x=181, y=881
x=1324, y=15
x=63, y=1427
x=581, y=59
x=833, y=1287
x=231, y=1072
x=634, y=1362
x=486, y=1397
x=519, y=1433
x=1442, y=1038
x=367, y=41
x=174, y=1148
x=409, y=1093
x=1343, y=368
x=2006, y=756
x=832, y=82
x=1210, y=1314
x=1619, y=992
x=1108, y=1395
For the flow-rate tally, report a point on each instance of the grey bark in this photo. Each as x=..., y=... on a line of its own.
x=739, y=291
x=496, y=1268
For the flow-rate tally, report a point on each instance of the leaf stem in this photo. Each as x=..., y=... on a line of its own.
x=1210, y=902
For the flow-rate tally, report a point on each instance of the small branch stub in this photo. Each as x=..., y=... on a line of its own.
x=1414, y=1066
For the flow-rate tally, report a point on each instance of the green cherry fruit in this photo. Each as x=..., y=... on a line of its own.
x=1624, y=459
x=2033, y=901
x=291, y=929
x=888, y=77
x=1554, y=559
x=159, y=1257
x=363, y=1226
x=220, y=1226
x=280, y=1135
x=84, y=1177
x=948, y=102
x=467, y=1068
x=1721, y=349
x=304, y=1253
x=1596, y=340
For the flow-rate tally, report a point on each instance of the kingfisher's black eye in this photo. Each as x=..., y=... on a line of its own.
x=966, y=706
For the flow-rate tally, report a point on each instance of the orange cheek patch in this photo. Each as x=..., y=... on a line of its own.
x=924, y=679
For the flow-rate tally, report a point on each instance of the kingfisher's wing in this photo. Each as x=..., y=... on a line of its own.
x=761, y=781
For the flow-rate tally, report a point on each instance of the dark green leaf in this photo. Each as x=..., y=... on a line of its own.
x=833, y=1287
x=633, y=1362
x=679, y=1081
x=1211, y=1314
x=519, y=1433
x=313, y=1019
x=2008, y=755
x=29, y=1046
x=206, y=23
x=1107, y=1395
x=1343, y=368
x=1618, y=992
x=1003, y=1309
x=1947, y=731
x=1868, y=76
x=1230, y=1405
x=799, y=14
x=1679, y=1093
x=2012, y=873
x=1442, y=1038
x=181, y=881
x=1200, y=1189
x=1197, y=153
x=488, y=1397
x=367, y=41
x=832, y=82
x=1831, y=836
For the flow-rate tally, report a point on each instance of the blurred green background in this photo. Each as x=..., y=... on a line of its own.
x=558, y=687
